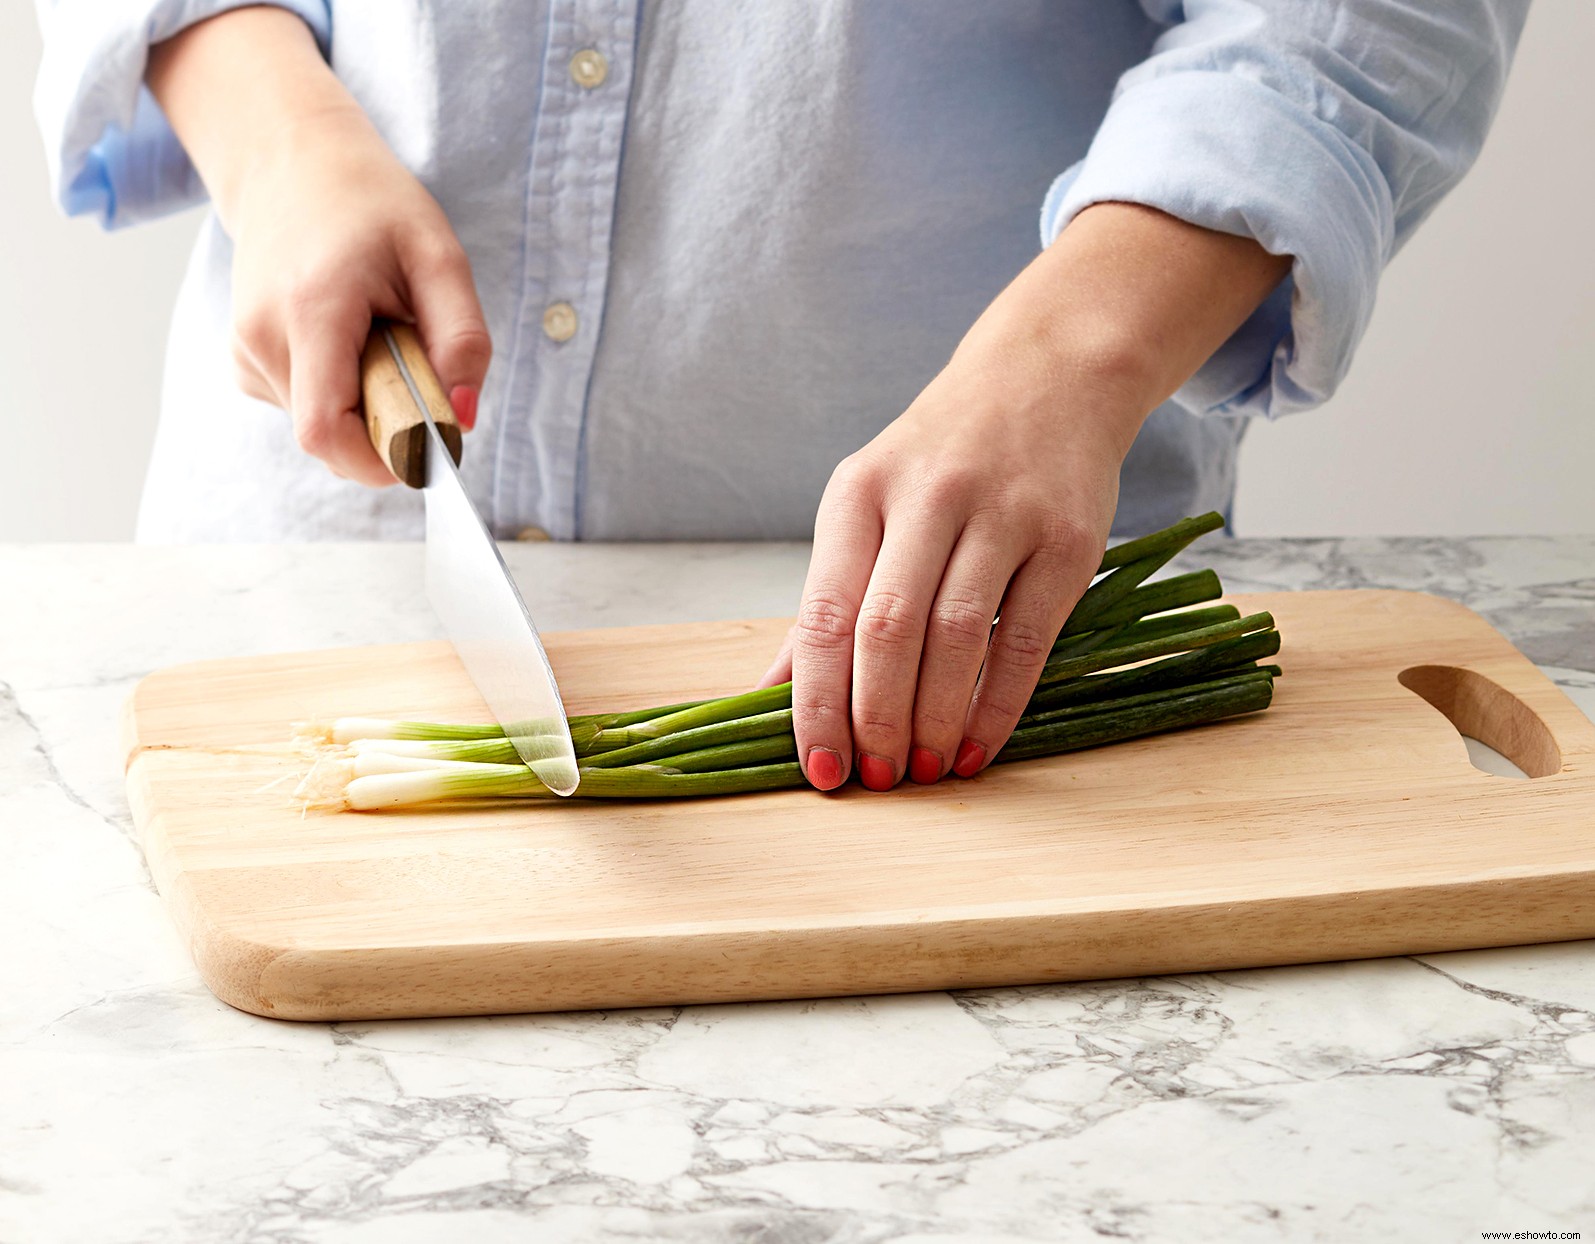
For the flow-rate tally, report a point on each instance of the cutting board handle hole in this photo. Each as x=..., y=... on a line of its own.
x=1485, y=712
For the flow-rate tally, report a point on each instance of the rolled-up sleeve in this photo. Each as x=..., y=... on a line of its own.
x=110, y=151
x=1326, y=131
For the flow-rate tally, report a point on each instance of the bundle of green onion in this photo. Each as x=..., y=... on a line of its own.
x=1134, y=658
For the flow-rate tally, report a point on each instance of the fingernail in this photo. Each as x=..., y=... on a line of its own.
x=463, y=398
x=971, y=755
x=875, y=773
x=924, y=765
x=824, y=768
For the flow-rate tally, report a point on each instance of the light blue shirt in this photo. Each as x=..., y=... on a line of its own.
x=769, y=224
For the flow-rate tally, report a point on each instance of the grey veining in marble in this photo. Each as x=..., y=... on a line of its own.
x=1434, y=1097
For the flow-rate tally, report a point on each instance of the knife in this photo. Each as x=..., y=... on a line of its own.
x=415, y=433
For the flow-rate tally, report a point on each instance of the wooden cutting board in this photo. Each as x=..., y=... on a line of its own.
x=1345, y=822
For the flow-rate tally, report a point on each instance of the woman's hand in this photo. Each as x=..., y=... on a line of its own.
x=329, y=230
x=991, y=497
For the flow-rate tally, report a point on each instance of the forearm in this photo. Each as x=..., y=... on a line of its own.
x=1124, y=306
x=238, y=87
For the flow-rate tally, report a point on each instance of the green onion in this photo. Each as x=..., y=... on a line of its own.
x=1123, y=703
x=1134, y=658
x=1176, y=537
x=348, y=729
x=1160, y=597
x=476, y=782
x=1059, y=670
x=1174, y=623
x=736, y=755
x=1167, y=674
x=1170, y=713
x=499, y=751
x=1093, y=608
x=765, y=700
x=739, y=729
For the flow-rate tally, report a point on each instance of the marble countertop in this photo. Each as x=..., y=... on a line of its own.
x=1438, y=1096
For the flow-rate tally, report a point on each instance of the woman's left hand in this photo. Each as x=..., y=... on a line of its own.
x=991, y=497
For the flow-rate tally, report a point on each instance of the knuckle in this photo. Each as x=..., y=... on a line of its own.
x=876, y=730
x=471, y=347
x=816, y=699
x=438, y=251
x=247, y=375
x=314, y=435
x=855, y=475
x=933, y=722
x=948, y=488
x=824, y=622
x=960, y=623
x=1023, y=643
x=1004, y=699
x=889, y=619
x=254, y=327
x=304, y=318
x=1068, y=539
x=818, y=719
x=310, y=296
x=816, y=723
x=1011, y=672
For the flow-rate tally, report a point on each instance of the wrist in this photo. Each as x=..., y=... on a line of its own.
x=1055, y=366
x=312, y=133
x=1122, y=309
x=244, y=90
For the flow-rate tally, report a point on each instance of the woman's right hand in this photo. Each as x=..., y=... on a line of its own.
x=329, y=230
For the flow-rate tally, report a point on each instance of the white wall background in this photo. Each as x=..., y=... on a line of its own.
x=1471, y=409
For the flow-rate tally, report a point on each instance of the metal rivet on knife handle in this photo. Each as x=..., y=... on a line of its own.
x=397, y=430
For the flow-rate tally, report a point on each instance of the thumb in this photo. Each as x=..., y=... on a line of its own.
x=449, y=319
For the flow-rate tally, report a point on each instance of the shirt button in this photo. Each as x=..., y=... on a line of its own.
x=559, y=321
x=588, y=68
x=531, y=533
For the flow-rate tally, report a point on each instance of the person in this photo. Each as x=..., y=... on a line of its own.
x=751, y=271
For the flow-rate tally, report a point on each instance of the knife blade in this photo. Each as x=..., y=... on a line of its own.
x=414, y=430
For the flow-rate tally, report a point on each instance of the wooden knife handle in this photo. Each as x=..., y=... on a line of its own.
x=397, y=430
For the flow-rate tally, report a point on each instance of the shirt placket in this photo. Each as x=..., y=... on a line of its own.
x=570, y=206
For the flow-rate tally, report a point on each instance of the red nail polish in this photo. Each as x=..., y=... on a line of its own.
x=971, y=755
x=875, y=773
x=924, y=765
x=824, y=768
x=463, y=398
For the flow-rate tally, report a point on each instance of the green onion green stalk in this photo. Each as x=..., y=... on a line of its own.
x=1134, y=658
